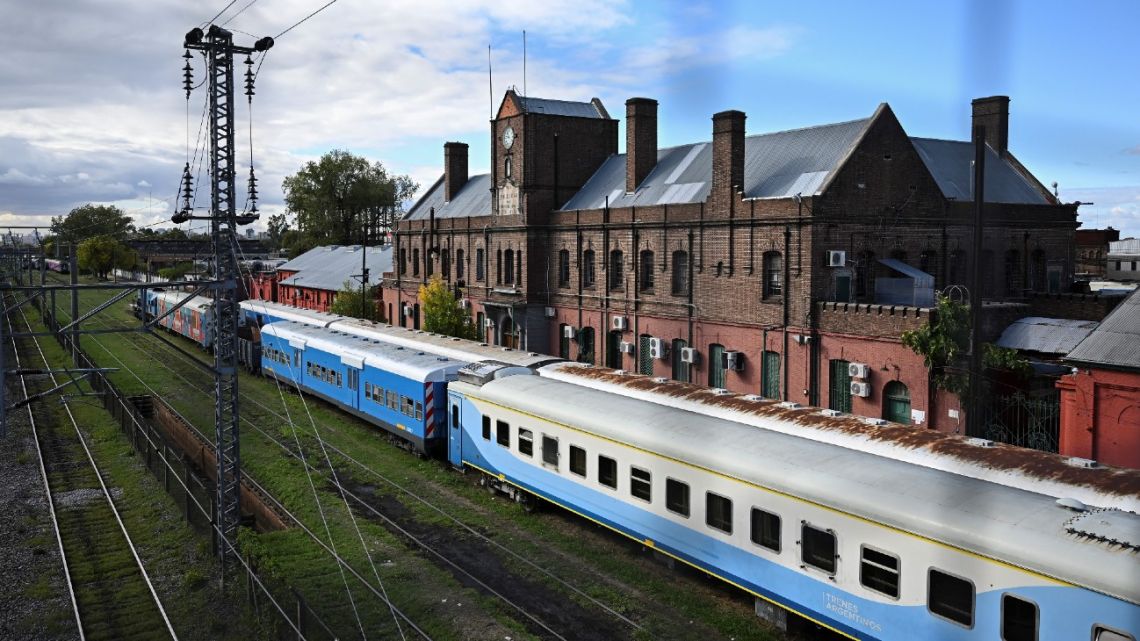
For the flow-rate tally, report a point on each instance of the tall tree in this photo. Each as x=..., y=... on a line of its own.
x=442, y=313
x=278, y=225
x=88, y=221
x=347, y=302
x=342, y=199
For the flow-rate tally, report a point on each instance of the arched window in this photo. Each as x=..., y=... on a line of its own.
x=445, y=263
x=1012, y=273
x=416, y=261
x=773, y=274
x=616, y=277
x=507, y=167
x=564, y=268
x=459, y=264
x=586, y=345
x=509, y=265
x=480, y=264
x=957, y=268
x=588, y=273
x=865, y=281
x=646, y=270
x=1037, y=270
x=499, y=266
x=680, y=367
x=403, y=260
x=896, y=403
x=680, y=273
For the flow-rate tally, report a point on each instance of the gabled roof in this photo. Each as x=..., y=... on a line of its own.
x=951, y=163
x=776, y=165
x=562, y=108
x=328, y=267
x=1116, y=342
x=1045, y=335
x=473, y=199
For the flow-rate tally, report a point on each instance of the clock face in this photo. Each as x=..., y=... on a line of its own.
x=508, y=137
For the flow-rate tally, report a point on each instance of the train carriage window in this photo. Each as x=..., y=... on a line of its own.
x=766, y=529
x=1018, y=619
x=1101, y=633
x=503, y=433
x=879, y=571
x=640, y=483
x=718, y=512
x=577, y=460
x=550, y=450
x=393, y=400
x=296, y=358
x=486, y=428
x=818, y=548
x=419, y=411
x=677, y=497
x=352, y=374
x=607, y=471
x=526, y=442
x=339, y=379
x=950, y=597
x=368, y=391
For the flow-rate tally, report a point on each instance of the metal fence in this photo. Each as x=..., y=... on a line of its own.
x=1023, y=420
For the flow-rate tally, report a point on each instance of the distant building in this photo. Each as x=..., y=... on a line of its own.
x=313, y=279
x=1124, y=260
x=1100, y=403
x=1092, y=251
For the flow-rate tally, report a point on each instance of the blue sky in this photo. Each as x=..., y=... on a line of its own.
x=101, y=117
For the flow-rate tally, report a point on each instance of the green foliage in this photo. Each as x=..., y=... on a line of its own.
x=98, y=255
x=442, y=313
x=176, y=272
x=170, y=233
x=348, y=303
x=277, y=226
x=88, y=221
x=342, y=199
x=944, y=344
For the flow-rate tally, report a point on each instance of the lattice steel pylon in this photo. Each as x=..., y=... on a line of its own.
x=217, y=45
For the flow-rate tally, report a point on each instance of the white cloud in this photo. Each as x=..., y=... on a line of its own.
x=1116, y=207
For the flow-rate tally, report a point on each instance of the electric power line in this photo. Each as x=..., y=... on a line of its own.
x=298, y=23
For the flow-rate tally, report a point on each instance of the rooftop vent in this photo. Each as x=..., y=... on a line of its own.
x=752, y=397
x=660, y=379
x=1085, y=463
x=832, y=413
x=720, y=391
x=979, y=442
x=1072, y=504
x=790, y=405
x=877, y=422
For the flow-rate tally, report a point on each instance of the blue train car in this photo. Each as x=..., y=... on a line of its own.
x=256, y=313
x=401, y=390
x=194, y=319
x=869, y=547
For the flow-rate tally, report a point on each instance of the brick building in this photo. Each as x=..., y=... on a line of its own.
x=313, y=279
x=1100, y=401
x=767, y=263
x=1092, y=251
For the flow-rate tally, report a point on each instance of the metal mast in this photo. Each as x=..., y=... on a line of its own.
x=219, y=49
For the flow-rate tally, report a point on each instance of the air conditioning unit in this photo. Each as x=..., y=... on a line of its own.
x=733, y=361
x=625, y=347
x=656, y=348
x=487, y=322
x=860, y=389
x=407, y=310
x=568, y=332
x=619, y=323
x=549, y=311
x=858, y=370
x=836, y=258
x=464, y=303
x=690, y=355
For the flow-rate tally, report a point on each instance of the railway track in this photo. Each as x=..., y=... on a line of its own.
x=110, y=591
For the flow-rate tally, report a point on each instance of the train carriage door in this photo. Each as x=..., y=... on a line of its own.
x=454, y=431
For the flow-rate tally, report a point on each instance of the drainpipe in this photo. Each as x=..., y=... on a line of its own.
x=786, y=309
x=578, y=235
x=732, y=230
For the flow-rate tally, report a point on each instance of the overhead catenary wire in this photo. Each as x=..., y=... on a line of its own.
x=211, y=20
x=239, y=12
x=302, y=20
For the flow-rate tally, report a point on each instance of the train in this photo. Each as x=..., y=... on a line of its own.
x=194, y=319
x=954, y=538
x=57, y=265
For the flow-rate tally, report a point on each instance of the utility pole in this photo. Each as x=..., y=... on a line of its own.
x=973, y=402
x=219, y=49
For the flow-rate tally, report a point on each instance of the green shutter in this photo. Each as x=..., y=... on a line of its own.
x=839, y=396
x=770, y=388
x=896, y=403
x=644, y=359
x=716, y=367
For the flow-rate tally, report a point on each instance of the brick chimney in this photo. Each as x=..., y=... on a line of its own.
x=993, y=114
x=728, y=156
x=640, y=140
x=454, y=169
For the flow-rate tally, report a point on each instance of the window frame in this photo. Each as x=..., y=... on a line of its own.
x=773, y=266
x=615, y=275
x=486, y=427
x=564, y=268
x=1002, y=619
x=637, y=482
x=973, y=597
x=897, y=571
x=679, y=284
x=709, y=495
x=779, y=529
x=610, y=463
x=645, y=275
x=525, y=436
x=805, y=563
x=584, y=467
x=670, y=482
x=589, y=269
x=546, y=438
x=1097, y=628
x=503, y=433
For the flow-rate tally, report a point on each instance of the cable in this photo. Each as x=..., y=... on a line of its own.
x=239, y=12
x=211, y=20
x=278, y=36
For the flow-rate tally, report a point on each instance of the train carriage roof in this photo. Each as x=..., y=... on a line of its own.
x=407, y=363
x=201, y=302
x=288, y=312
x=1016, y=526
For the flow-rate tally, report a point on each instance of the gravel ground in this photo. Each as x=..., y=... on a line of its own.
x=36, y=602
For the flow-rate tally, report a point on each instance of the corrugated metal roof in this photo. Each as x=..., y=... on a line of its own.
x=921, y=278
x=776, y=165
x=1126, y=247
x=561, y=107
x=328, y=267
x=951, y=163
x=1117, y=341
x=473, y=199
x=1046, y=335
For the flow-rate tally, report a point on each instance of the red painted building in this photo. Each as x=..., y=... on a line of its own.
x=313, y=279
x=1100, y=402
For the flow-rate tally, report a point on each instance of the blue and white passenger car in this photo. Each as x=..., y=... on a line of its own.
x=401, y=390
x=870, y=547
x=260, y=312
x=194, y=319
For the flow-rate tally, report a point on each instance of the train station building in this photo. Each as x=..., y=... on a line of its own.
x=785, y=264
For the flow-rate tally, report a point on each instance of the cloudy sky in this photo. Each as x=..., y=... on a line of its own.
x=92, y=110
